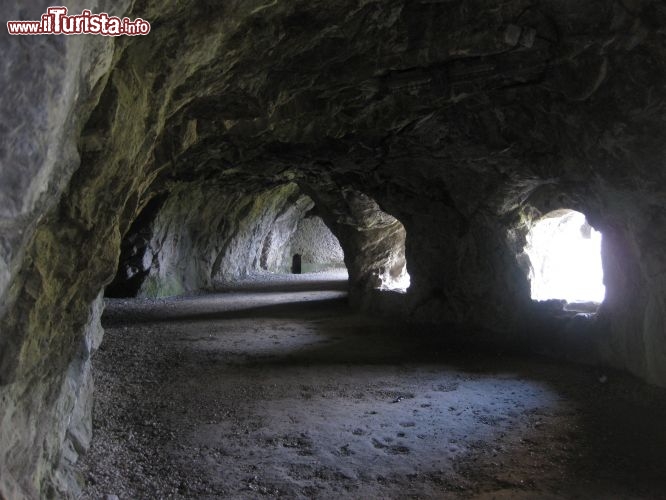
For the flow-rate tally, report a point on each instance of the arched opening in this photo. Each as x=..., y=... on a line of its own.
x=565, y=259
x=393, y=274
x=264, y=234
x=296, y=264
x=373, y=240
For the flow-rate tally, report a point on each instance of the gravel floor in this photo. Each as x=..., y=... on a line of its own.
x=286, y=392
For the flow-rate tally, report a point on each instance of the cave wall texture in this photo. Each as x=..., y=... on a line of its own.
x=318, y=247
x=463, y=120
x=204, y=237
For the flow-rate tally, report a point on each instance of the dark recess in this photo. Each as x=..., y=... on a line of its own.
x=131, y=273
x=296, y=267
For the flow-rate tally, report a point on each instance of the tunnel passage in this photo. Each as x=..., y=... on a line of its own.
x=184, y=242
x=453, y=117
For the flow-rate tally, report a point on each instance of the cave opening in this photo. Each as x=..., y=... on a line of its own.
x=296, y=264
x=393, y=274
x=565, y=259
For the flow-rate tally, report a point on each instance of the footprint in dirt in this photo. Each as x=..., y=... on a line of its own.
x=394, y=449
x=447, y=387
x=302, y=444
x=398, y=450
x=344, y=451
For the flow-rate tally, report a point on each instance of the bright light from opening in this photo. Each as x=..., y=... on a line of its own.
x=399, y=283
x=565, y=253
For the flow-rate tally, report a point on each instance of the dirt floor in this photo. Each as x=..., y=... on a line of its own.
x=280, y=390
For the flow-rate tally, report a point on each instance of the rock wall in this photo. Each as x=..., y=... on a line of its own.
x=49, y=88
x=319, y=249
x=372, y=240
x=634, y=310
x=197, y=244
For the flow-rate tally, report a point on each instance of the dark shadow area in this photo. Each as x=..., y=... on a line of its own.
x=286, y=285
x=134, y=261
x=296, y=264
x=194, y=309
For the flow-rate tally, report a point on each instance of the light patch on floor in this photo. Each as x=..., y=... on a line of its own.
x=291, y=394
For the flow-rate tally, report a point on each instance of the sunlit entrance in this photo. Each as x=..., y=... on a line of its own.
x=565, y=255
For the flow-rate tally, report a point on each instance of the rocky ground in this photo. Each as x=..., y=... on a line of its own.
x=286, y=392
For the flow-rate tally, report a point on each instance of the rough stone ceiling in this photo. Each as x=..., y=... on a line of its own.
x=372, y=86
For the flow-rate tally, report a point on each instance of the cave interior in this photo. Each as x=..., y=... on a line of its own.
x=256, y=239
